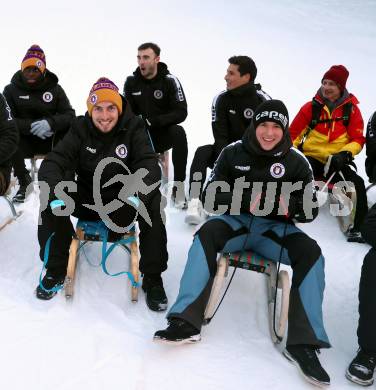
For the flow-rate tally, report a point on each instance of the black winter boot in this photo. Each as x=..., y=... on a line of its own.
x=361, y=369
x=51, y=284
x=21, y=195
x=156, y=298
x=305, y=358
x=178, y=331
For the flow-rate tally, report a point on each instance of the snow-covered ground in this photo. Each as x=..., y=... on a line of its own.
x=103, y=341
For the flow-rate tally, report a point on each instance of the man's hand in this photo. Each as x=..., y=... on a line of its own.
x=41, y=129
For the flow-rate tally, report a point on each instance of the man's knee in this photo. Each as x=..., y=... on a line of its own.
x=177, y=132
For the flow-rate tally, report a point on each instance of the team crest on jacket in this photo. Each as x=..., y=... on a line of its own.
x=248, y=113
x=121, y=151
x=277, y=170
x=47, y=97
x=158, y=94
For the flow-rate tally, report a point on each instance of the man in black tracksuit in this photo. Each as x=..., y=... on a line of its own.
x=362, y=368
x=157, y=95
x=41, y=110
x=278, y=186
x=8, y=143
x=108, y=129
x=232, y=112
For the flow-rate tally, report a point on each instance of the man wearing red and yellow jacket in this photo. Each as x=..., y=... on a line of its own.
x=332, y=125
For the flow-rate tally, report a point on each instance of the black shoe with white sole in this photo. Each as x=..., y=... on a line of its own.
x=362, y=368
x=305, y=358
x=156, y=298
x=178, y=332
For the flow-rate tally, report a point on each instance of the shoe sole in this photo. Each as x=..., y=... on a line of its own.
x=44, y=297
x=309, y=379
x=160, y=307
x=190, y=340
x=358, y=381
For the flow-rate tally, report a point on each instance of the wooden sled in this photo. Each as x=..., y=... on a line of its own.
x=15, y=214
x=80, y=239
x=34, y=166
x=276, y=302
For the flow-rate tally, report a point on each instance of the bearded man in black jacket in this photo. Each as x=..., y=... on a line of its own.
x=278, y=185
x=232, y=112
x=157, y=95
x=41, y=110
x=108, y=134
x=8, y=143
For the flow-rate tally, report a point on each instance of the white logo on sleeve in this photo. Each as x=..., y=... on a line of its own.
x=91, y=150
x=121, y=151
x=243, y=167
x=47, y=97
x=277, y=170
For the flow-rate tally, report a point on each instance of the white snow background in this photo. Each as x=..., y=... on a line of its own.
x=103, y=341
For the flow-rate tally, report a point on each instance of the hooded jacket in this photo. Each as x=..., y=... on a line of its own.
x=84, y=147
x=160, y=101
x=264, y=173
x=44, y=100
x=329, y=137
x=232, y=113
x=8, y=135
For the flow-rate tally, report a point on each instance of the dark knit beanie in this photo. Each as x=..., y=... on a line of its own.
x=272, y=111
x=338, y=74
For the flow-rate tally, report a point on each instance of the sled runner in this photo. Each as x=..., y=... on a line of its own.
x=163, y=159
x=278, y=304
x=9, y=202
x=342, y=201
x=34, y=167
x=97, y=231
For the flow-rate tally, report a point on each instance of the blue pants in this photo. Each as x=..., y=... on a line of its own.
x=266, y=237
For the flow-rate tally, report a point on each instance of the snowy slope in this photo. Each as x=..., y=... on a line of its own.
x=103, y=341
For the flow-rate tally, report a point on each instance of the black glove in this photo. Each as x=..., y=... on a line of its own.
x=339, y=160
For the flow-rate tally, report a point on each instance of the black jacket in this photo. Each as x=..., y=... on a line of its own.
x=160, y=100
x=241, y=160
x=85, y=146
x=371, y=148
x=232, y=113
x=8, y=135
x=46, y=100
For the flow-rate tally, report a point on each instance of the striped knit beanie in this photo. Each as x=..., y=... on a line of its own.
x=104, y=90
x=34, y=57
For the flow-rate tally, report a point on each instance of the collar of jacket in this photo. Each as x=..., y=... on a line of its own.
x=346, y=96
x=49, y=80
x=243, y=89
x=162, y=71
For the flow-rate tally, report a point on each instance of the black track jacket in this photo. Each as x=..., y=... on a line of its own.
x=232, y=113
x=160, y=101
x=85, y=146
x=8, y=135
x=46, y=100
x=237, y=160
